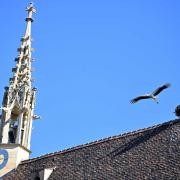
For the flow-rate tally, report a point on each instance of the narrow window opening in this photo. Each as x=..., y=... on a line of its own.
x=13, y=126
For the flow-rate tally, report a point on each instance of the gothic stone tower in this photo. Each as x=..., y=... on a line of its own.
x=18, y=106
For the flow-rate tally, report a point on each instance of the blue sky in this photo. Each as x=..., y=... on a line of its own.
x=92, y=57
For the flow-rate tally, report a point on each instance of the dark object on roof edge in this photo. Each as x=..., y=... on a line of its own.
x=177, y=111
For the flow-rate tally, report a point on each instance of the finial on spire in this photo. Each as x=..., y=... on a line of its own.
x=30, y=10
x=31, y=7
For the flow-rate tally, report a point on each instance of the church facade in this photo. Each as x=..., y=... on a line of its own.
x=150, y=153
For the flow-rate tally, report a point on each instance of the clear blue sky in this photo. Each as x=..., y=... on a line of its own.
x=92, y=57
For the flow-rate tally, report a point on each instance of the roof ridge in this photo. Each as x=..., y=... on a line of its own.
x=100, y=141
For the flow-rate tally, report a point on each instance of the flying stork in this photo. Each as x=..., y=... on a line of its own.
x=152, y=96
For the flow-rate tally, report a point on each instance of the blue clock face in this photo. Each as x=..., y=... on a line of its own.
x=3, y=158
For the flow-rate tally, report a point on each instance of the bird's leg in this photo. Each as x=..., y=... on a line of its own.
x=155, y=99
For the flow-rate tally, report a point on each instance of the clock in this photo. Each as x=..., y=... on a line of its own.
x=3, y=158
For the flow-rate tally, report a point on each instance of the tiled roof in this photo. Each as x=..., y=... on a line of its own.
x=150, y=153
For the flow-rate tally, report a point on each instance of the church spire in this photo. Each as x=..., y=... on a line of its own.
x=22, y=71
x=19, y=97
x=18, y=105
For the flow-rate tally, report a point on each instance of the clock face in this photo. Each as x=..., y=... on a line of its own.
x=3, y=158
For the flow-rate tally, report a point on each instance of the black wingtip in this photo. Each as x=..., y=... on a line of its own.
x=132, y=101
x=167, y=85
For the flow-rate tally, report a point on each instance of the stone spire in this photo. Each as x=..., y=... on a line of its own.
x=18, y=106
x=19, y=97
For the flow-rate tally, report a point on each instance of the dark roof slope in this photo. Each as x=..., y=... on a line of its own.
x=151, y=153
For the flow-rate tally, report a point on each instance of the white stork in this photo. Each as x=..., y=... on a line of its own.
x=153, y=95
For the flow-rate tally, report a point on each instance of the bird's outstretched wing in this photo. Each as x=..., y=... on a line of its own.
x=139, y=98
x=161, y=88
